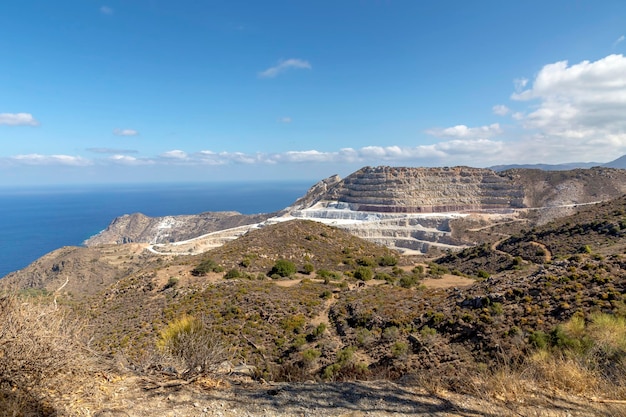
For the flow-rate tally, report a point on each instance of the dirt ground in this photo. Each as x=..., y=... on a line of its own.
x=135, y=397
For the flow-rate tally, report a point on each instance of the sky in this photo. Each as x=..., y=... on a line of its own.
x=115, y=91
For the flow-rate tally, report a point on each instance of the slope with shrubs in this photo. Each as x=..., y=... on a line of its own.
x=551, y=322
x=300, y=241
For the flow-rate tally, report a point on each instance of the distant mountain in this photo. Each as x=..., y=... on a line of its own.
x=548, y=167
x=618, y=163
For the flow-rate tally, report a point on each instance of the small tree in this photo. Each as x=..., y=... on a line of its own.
x=283, y=268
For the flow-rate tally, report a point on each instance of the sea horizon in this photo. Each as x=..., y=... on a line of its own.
x=37, y=219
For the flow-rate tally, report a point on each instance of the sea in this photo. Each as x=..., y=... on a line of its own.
x=37, y=220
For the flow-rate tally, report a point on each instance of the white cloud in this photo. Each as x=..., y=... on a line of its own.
x=125, y=132
x=580, y=107
x=619, y=40
x=462, y=131
x=175, y=154
x=106, y=10
x=500, y=110
x=286, y=120
x=283, y=66
x=120, y=159
x=38, y=159
x=18, y=119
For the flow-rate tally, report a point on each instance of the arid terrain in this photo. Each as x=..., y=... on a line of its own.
x=298, y=317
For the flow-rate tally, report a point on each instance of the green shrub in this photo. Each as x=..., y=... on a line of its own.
x=363, y=273
x=366, y=262
x=391, y=333
x=407, y=281
x=205, y=267
x=399, y=349
x=326, y=294
x=483, y=274
x=387, y=260
x=233, y=273
x=283, y=268
x=319, y=330
x=384, y=277
x=308, y=268
x=427, y=331
x=437, y=270
x=310, y=355
x=293, y=324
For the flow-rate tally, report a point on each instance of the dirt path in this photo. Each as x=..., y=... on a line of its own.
x=322, y=317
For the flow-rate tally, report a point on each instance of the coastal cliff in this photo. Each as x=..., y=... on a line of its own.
x=139, y=228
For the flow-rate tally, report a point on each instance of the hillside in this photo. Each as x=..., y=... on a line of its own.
x=530, y=319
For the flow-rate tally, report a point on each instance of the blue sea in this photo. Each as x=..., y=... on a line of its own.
x=37, y=220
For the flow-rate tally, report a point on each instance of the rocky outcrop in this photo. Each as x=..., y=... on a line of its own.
x=138, y=228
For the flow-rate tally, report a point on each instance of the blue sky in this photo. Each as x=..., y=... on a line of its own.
x=153, y=90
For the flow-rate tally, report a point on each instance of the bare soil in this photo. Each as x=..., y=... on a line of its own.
x=448, y=281
x=137, y=397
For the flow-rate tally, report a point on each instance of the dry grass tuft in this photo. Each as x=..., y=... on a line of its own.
x=43, y=366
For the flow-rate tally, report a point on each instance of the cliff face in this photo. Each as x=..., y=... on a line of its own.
x=426, y=190
x=439, y=190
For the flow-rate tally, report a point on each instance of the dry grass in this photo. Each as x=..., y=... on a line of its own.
x=43, y=366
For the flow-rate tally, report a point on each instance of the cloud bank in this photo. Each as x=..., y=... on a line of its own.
x=578, y=107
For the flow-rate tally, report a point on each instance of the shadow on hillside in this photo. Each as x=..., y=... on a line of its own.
x=353, y=396
x=356, y=398
x=17, y=402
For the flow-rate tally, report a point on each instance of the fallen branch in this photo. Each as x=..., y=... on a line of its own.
x=168, y=384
